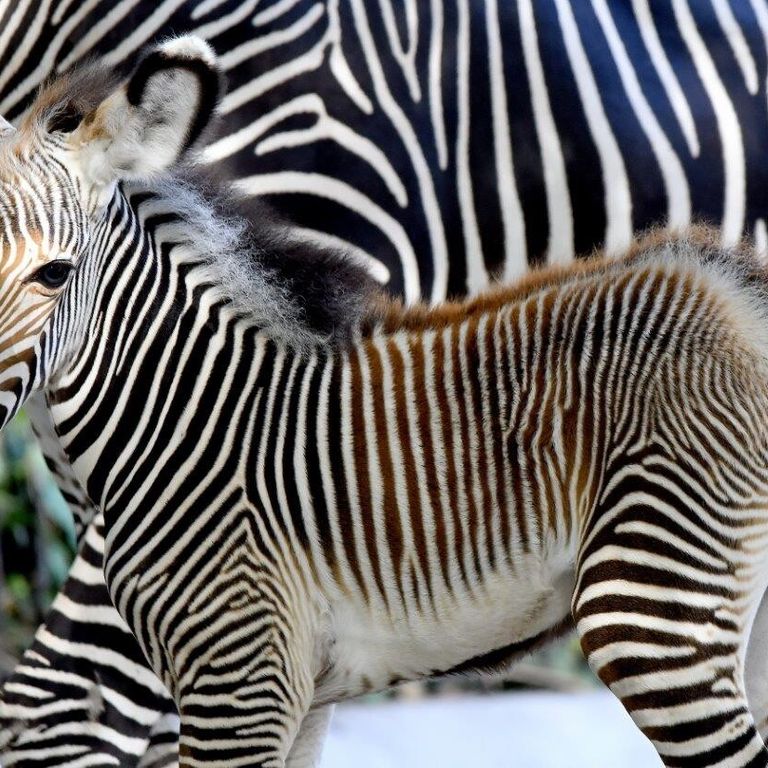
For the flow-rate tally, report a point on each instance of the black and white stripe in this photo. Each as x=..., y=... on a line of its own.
x=381, y=120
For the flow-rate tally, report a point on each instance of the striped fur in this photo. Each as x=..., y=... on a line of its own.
x=664, y=100
x=433, y=496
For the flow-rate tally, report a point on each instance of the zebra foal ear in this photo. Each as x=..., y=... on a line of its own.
x=147, y=124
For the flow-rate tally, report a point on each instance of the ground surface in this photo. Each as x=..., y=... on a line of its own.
x=520, y=730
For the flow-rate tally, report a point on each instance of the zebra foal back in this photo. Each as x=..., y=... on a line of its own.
x=594, y=442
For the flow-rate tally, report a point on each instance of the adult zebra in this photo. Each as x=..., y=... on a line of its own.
x=352, y=515
x=601, y=117
x=450, y=140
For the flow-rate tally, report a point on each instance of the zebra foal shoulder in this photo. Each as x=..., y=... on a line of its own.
x=442, y=489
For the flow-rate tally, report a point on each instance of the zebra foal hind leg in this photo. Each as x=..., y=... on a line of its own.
x=307, y=748
x=663, y=615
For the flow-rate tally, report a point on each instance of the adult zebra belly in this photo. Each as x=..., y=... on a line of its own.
x=484, y=626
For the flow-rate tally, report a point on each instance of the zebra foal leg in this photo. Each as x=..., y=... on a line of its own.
x=668, y=637
x=246, y=716
x=307, y=748
x=246, y=673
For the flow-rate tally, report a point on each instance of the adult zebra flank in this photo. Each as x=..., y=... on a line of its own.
x=433, y=495
x=447, y=142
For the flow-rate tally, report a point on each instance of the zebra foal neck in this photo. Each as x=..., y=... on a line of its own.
x=295, y=515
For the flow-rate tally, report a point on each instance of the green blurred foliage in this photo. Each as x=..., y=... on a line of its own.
x=37, y=539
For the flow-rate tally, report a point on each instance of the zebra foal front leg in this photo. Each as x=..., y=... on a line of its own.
x=245, y=668
x=663, y=621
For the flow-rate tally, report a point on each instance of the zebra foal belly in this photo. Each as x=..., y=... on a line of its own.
x=373, y=647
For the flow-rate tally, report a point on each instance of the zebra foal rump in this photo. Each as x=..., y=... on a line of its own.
x=296, y=515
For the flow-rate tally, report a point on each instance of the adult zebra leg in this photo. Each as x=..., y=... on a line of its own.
x=668, y=636
x=84, y=688
x=307, y=748
x=163, y=748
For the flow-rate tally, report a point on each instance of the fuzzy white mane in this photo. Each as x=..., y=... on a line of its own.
x=295, y=292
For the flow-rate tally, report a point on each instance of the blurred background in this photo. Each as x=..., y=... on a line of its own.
x=35, y=549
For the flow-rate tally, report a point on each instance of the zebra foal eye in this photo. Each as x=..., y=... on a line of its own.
x=52, y=275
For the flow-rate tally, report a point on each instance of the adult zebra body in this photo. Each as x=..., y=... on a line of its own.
x=659, y=113
x=272, y=557
x=450, y=140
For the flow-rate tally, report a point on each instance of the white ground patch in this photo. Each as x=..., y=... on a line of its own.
x=524, y=730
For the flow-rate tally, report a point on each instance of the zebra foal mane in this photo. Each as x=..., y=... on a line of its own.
x=299, y=292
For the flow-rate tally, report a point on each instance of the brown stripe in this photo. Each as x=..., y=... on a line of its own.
x=463, y=395
x=498, y=383
x=446, y=445
x=479, y=421
x=425, y=433
x=514, y=446
x=408, y=443
x=362, y=469
x=392, y=521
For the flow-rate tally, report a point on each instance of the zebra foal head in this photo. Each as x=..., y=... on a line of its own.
x=84, y=134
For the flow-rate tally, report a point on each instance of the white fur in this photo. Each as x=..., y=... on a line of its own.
x=190, y=47
x=230, y=264
x=511, y=606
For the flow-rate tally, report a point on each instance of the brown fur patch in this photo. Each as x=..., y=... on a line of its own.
x=389, y=315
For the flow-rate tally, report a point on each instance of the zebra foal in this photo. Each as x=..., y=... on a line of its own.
x=296, y=517
x=311, y=105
